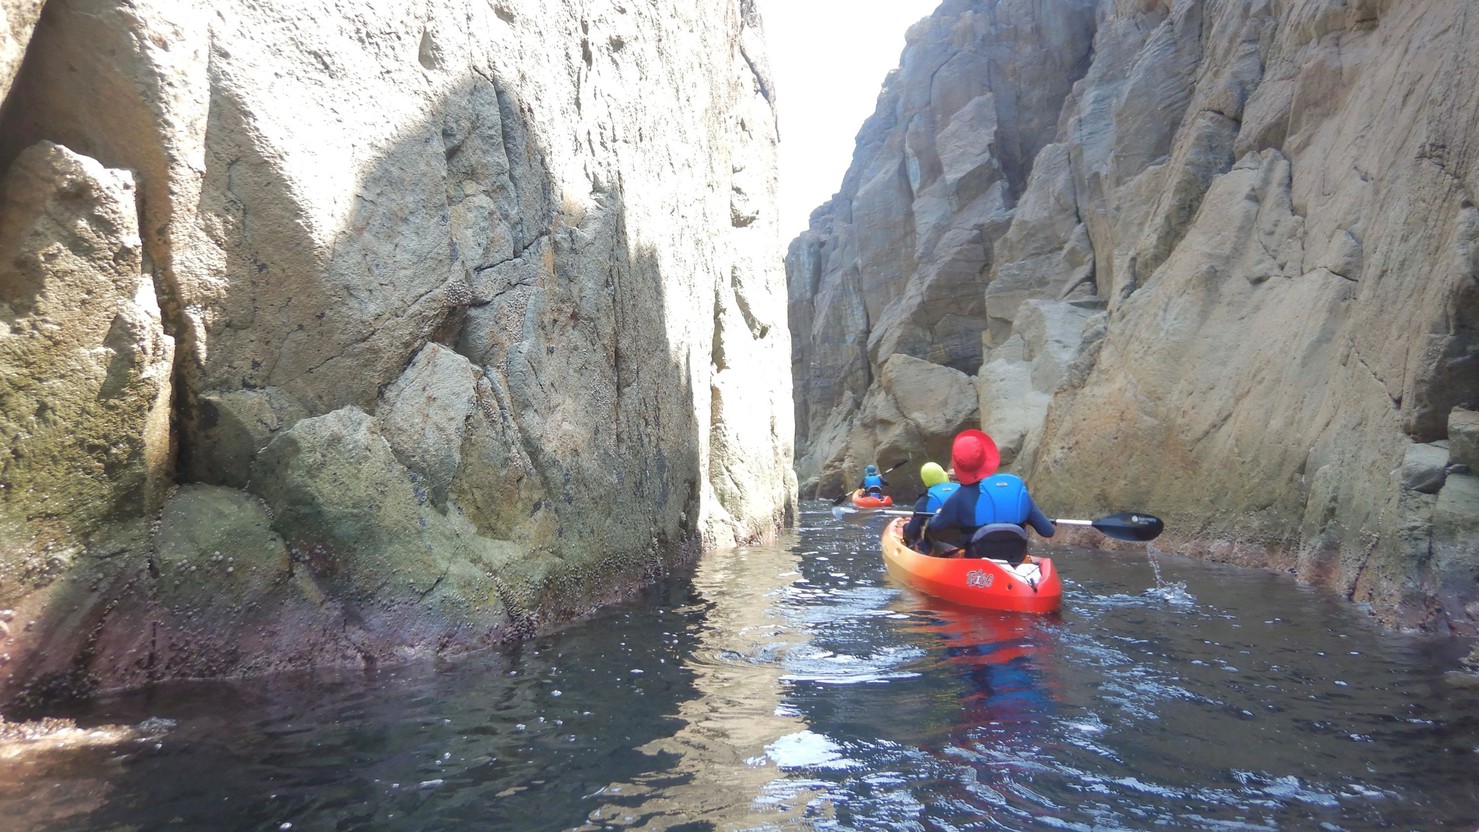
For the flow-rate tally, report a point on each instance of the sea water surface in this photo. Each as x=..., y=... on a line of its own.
x=795, y=687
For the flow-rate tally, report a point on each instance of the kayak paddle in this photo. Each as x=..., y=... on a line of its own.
x=859, y=516
x=1129, y=525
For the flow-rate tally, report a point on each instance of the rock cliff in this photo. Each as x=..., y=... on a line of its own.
x=1220, y=264
x=343, y=331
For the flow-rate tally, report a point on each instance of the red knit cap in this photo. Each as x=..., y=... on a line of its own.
x=974, y=456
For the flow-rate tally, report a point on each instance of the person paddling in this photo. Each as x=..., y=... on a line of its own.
x=938, y=489
x=873, y=482
x=985, y=517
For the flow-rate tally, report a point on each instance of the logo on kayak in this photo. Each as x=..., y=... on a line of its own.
x=978, y=578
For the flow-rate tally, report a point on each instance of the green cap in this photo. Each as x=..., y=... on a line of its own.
x=932, y=474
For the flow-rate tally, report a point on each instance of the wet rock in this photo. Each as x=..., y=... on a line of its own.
x=215, y=547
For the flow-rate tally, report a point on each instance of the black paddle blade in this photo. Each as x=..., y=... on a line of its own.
x=1131, y=525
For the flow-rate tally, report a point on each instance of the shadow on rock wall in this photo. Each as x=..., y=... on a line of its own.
x=423, y=410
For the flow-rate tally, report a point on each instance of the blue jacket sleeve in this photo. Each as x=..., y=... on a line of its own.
x=1039, y=521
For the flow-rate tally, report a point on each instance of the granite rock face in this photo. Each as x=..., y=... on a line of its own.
x=475, y=311
x=1237, y=289
x=896, y=262
x=17, y=21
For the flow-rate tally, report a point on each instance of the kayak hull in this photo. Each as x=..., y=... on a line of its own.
x=1034, y=586
x=862, y=500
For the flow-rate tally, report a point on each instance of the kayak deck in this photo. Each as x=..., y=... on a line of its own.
x=1032, y=586
x=862, y=500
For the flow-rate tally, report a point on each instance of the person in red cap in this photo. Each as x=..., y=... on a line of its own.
x=987, y=516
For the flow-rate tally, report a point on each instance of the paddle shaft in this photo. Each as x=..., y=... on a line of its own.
x=1131, y=526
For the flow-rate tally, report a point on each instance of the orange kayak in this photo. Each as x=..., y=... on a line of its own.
x=862, y=500
x=1033, y=586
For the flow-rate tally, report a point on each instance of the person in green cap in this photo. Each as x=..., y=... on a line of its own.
x=938, y=489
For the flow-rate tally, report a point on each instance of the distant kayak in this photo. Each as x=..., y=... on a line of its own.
x=862, y=500
x=1032, y=586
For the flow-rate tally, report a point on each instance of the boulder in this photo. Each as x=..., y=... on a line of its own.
x=84, y=361
x=1463, y=436
x=1012, y=410
x=1454, y=567
x=227, y=599
x=1424, y=468
x=913, y=414
x=425, y=413
x=1018, y=381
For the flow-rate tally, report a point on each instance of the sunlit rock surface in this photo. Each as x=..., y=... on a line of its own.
x=17, y=21
x=476, y=311
x=1259, y=219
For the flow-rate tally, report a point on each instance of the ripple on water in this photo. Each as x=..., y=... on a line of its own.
x=828, y=668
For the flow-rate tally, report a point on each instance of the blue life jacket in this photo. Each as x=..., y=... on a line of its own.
x=938, y=494
x=1004, y=499
x=871, y=481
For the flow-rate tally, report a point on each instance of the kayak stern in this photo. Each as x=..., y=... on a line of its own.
x=1033, y=586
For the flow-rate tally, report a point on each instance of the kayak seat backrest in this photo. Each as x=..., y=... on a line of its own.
x=999, y=541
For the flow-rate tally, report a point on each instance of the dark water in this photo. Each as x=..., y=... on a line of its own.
x=794, y=687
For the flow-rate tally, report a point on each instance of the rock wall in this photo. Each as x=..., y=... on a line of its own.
x=342, y=331
x=1237, y=288
x=895, y=263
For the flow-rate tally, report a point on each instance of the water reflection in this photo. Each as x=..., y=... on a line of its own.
x=794, y=687
x=727, y=735
x=1002, y=658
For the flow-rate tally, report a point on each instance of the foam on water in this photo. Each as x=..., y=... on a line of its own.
x=1173, y=593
